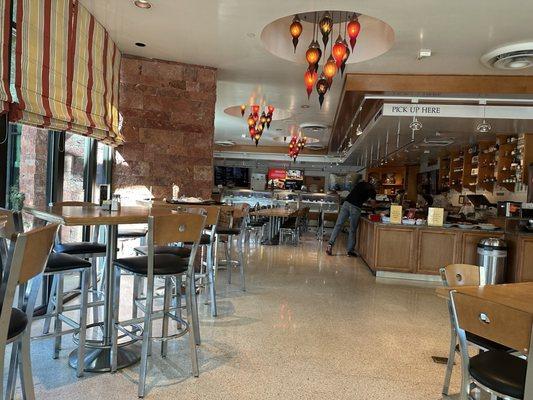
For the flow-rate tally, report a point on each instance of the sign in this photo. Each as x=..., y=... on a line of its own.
x=457, y=111
x=396, y=214
x=277, y=173
x=295, y=174
x=435, y=216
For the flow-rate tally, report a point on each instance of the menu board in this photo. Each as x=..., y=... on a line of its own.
x=435, y=216
x=396, y=214
x=232, y=176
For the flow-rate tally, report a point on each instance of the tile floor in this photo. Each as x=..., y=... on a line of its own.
x=308, y=327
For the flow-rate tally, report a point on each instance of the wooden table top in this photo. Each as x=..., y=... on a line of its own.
x=272, y=212
x=94, y=215
x=515, y=295
x=164, y=204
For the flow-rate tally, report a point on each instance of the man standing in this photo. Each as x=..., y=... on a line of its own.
x=351, y=208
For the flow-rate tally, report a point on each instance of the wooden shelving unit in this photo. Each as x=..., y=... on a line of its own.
x=444, y=173
x=456, y=170
x=469, y=162
x=384, y=175
x=505, y=175
x=487, y=166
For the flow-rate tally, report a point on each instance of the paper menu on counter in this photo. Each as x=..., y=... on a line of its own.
x=396, y=214
x=435, y=216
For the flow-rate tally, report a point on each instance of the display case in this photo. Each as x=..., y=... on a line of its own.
x=316, y=202
x=251, y=197
x=286, y=198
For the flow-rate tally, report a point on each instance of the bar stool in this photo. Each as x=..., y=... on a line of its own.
x=86, y=250
x=463, y=275
x=24, y=269
x=206, y=242
x=236, y=228
x=57, y=266
x=497, y=372
x=162, y=230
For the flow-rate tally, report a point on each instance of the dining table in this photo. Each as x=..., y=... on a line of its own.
x=98, y=354
x=275, y=217
x=513, y=297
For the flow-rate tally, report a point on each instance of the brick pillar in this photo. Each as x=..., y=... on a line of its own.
x=168, y=112
x=33, y=156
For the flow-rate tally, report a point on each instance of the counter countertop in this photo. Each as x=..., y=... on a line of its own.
x=436, y=227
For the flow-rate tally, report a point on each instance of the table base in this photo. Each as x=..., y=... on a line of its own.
x=99, y=360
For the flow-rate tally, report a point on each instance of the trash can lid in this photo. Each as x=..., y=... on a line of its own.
x=492, y=244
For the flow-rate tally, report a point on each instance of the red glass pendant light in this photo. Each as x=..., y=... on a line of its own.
x=353, y=28
x=295, y=30
x=309, y=80
x=346, y=56
x=255, y=109
x=338, y=51
x=330, y=69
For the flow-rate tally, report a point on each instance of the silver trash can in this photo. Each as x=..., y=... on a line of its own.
x=492, y=256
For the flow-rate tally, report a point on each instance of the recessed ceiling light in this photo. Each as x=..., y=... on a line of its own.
x=140, y=44
x=251, y=35
x=145, y=4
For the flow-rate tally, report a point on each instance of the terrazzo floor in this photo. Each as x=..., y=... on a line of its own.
x=309, y=326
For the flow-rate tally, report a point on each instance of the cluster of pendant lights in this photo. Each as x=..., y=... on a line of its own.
x=296, y=145
x=258, y=123
x=339, y=51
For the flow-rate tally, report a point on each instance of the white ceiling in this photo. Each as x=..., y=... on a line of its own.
x=226, y=34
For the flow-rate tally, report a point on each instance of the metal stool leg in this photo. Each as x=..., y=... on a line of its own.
x=166, y=306
x=83, y=322
x=51, y=305
x=229, y=265
x=13, y=368
x=451, y=359
x=147, y=333
x=58, y=324
x=136, y=285
x=26, y=378
x=192, y=326
x=211, y=280
x=94, y=274
x=241, y=263
x=194, y=315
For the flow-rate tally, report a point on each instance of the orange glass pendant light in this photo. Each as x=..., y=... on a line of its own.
x=330, y=69
x=338, y=51
x=346, y=56
x=325, y=25
x=295, y=30
x=313, y=55
x=251, y=120
x=309, y=80
x=243, y=109
x=353, y=28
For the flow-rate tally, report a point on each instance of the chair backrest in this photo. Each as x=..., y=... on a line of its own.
x=178, y=227
x=460, y=275
x=493, y=321
x=32, y=250
x=10, y=228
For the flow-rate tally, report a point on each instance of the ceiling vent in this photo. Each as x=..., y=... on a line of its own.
x=510, y=57
x=436, y=142
x=313, y=129
x=224, y=143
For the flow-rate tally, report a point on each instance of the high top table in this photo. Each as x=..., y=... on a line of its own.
x=275, y=215
x=97, y=357
x=517, y=296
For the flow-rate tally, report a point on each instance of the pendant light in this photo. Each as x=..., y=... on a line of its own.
x=295, y=30
x=322, y=86
x=309, y=80
x=339, y=51
x=325, y=25
x=330, y=69
x=251, y=120
x=243, y=109
x=354, y=27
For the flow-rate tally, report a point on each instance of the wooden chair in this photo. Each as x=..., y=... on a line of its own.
x=162, y=230
x=495, y=371
x=462, y=275
x=24, y=268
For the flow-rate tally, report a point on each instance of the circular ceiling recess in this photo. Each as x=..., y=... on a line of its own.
x=513, y=56
x=375, y=39
x=279, y=113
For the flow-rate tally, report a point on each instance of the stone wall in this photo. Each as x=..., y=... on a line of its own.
x=168, y=112
x=33, y=159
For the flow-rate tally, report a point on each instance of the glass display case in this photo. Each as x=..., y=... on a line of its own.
x=251, y=197
x=317, y=202
x=286, y=198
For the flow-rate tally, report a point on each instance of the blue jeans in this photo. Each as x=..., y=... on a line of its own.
x=348, y=210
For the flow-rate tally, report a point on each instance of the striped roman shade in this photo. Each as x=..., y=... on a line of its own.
x=5, y=27
x=67, y=70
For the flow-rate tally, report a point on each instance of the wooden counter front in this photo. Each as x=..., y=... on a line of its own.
x=418, y=249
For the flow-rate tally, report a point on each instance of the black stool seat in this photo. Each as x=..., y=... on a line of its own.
x=131, y=232
x=175, y=250
x=80, y=248
x=59, y=262
x=228, y=231
x=485, y=343
x=17, y=322
x=500, y=371
x=164, y=264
